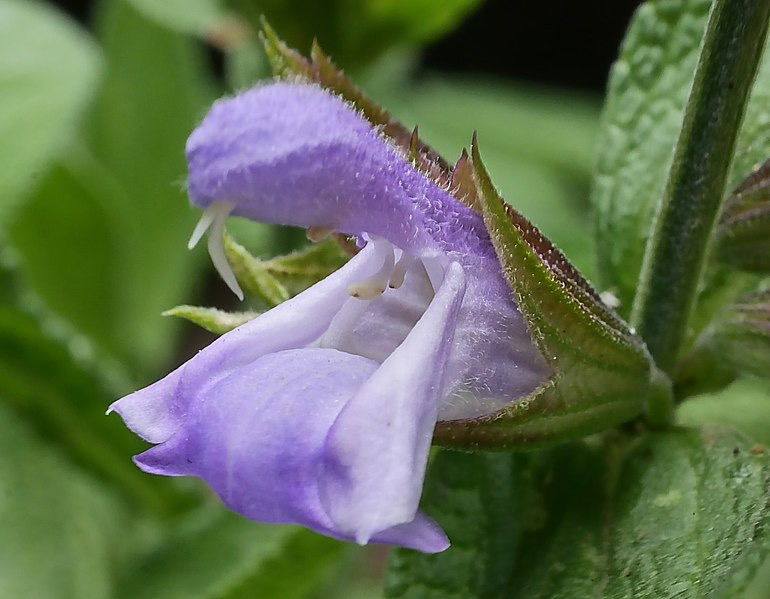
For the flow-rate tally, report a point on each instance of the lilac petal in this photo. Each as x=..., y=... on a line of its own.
x=158, y=411
x=295, y=154
x=422, y=534
x=493, y=361
x=377, y=327
x=257, y=435
x=378, y=447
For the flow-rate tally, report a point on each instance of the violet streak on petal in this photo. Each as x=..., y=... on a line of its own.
x=321, y=410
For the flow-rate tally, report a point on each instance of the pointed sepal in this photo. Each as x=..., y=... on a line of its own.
x=275, y=280
x=743, y=234
x=213, y=320
x=602, y=373
x=250, y=272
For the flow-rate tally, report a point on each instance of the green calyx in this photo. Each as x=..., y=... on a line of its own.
x=602, y=372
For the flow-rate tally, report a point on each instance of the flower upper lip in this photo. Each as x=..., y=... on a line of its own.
x=287, y=163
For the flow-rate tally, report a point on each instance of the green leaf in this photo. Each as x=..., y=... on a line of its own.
x=412, y=21
x=357, y=32
x=189, y=16
x=219, y=554
x=50, y=375
x=648, y=520
x=80, y=210
x=744, y=405
x=648, y=87
x=676, y=253
x=149, y=103
x=642, y=117
x=754, y=138
x=48, y=74
x=61, y=533
x=211, y=319
x=601, y=373
x=475, y=498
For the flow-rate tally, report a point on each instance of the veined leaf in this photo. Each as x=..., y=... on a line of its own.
x=476, y=498
x=648, y=520
x=648, y=88
x=219, y=554
x=61, y=533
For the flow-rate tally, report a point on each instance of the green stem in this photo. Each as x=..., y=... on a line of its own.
x=675, y=254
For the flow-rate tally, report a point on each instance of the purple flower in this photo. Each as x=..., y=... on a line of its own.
x=321, y=410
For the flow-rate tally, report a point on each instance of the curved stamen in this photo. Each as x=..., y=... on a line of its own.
x=404, y=263
x=213, y=220
x=203, y=224
x=374, y=286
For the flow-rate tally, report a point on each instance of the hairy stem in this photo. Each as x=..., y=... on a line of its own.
x=675, y=254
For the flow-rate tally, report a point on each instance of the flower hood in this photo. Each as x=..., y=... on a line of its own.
x=321, y=410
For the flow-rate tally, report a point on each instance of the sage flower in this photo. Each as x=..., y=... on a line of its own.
x=321, y=411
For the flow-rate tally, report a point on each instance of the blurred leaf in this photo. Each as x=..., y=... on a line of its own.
x=412, y=21
x=154, y=92
x=651, y=520
x=60, y=533
x=211, y=319
x=476, y=499
x=48, y=72
x=219, y=554
x=188, y=16
x=50, y=375
x=744, y=405
x=356, y=32
x=753, y=144
x=537, y=145
x=79, y=211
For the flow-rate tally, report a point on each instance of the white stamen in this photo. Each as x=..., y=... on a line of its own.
x=374, y=286
x=204, y=223
x=213, y=220
x=404, y=263
x=435, y=268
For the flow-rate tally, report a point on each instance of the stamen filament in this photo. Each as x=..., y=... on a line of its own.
x=374, y=286
x=203, y=224
x=404, y=263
